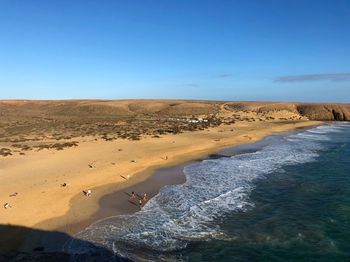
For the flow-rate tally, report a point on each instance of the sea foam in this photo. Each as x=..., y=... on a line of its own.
x=179, y=214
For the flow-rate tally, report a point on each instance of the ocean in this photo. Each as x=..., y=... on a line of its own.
x=286, y=198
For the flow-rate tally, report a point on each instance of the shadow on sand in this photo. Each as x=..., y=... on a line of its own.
x=18, y=244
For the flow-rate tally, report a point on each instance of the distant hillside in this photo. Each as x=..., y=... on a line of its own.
x=38, y=125
x=130, y=108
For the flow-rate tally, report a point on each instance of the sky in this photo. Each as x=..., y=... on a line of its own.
x=266, y=50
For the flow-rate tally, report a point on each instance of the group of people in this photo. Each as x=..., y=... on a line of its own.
x=141, y=200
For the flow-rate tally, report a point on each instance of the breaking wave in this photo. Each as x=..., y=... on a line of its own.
x=180, y=214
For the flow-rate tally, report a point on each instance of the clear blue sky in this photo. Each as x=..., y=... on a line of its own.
x=290, y=50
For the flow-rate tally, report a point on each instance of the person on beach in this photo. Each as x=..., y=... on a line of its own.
x=133, y=194
x=144, y=198
x=87, y=192
x=140, y=203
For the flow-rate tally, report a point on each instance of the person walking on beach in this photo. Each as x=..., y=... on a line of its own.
x=133, y=194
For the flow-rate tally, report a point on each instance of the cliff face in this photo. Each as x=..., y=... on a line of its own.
x=294, y=111
x=325, y=112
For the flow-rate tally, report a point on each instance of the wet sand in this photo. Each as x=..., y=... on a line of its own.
x=121, y=203
x=69, y=211
x=113, y=204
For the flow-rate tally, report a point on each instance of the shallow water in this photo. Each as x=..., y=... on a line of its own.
x=287, y=201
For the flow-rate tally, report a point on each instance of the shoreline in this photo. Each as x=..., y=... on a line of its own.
x=116, y=202
x=189, y=146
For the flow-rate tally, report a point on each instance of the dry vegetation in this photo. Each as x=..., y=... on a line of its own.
x=38, y=125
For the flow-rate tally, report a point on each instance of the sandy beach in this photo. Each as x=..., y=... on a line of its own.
x=105, y=167
x=51, y=152
x=174, y=131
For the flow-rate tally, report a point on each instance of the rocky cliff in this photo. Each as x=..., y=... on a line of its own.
x=325, y=112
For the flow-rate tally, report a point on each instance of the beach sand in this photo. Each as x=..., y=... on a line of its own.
x=42, y=203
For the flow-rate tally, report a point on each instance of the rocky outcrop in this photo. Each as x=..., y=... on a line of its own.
x=293, y=111
x=325, y=112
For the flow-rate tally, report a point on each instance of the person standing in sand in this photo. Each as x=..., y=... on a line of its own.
x=140, y=203
x=133, y=194
x=87, y=192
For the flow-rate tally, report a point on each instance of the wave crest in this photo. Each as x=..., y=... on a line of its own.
x=183, y=213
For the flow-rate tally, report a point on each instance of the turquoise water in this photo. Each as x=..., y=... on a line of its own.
x=300, y=213
x=288, y=201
